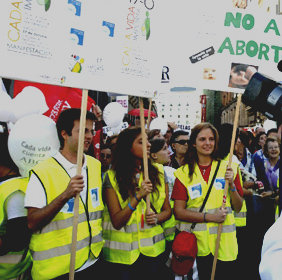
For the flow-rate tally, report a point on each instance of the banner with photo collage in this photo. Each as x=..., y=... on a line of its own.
x=218, y=44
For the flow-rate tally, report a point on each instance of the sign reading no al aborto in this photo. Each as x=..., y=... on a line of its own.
x=217, y=44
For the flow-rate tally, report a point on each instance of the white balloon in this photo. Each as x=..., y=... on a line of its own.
x=29, y=101
x=113, y=114
x=32, y=139
x=159, y=123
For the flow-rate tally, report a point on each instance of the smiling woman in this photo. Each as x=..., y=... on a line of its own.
x=190, y=188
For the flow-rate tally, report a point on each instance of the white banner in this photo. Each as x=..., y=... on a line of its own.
x=213, y=44
x=99, y=45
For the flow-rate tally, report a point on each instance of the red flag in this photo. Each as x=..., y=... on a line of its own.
x=57, y=98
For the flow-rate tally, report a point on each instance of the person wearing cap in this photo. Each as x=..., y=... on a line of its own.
x=190, y=188
x=134, y=237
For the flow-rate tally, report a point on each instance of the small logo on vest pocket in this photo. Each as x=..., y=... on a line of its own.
x=95, y=197
x=219, y=183
x=195, y=191
x=68, y=207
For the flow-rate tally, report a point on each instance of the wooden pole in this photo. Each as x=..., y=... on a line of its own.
x=236, y=118
x=149, y=113
x=144, y=146
x=78, y=172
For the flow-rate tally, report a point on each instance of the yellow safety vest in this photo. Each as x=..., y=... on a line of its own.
x=206, y=233
x=277, y=206
x=51, y=245
x=240, y=217
x=13, y=264
x=125, y=245
x=169, y=226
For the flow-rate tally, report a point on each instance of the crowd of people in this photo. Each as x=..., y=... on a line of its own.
x=127, y=221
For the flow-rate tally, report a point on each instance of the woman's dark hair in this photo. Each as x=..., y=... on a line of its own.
x=124, y=163
x=152, y=133
x=255, y=144
x=157, y=144
x=191, y=156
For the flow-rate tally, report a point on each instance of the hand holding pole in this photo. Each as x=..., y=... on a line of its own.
x=79, y=168
x=236, y=118
x=144, y=146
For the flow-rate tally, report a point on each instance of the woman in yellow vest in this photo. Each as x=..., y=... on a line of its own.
x=159, y=153
x=190, y=188
x=134, y=237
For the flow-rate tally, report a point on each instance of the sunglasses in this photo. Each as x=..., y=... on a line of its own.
x=105, y=156
x=182, y=142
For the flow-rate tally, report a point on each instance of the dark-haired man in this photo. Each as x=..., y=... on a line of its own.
x=179, y=145
x=51, y=190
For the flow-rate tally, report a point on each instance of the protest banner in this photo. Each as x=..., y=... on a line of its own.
x=96, y=45
x=104, y=46
x=213, y=44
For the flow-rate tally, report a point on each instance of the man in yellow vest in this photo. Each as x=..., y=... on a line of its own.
x=50, y=194
x=15, y=259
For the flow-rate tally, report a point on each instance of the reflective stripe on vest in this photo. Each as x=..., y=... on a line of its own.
x=169, y=226
x=125, y=245
x=12, y=265
x=51, y=246
x=62, y=224
x=62, y=250
x=241, y=217
x=11, y=258
x=205, y=232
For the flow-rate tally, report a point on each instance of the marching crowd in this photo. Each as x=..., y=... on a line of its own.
x=121, y=233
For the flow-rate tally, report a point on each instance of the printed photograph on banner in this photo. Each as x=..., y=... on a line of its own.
x=240, y=75
x=209, y=74
x=241, y=4
x=263, y=5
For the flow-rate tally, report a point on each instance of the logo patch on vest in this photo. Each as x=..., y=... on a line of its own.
x=219, y=183
x=68, y=207
x=195, y=191
x=95, y=197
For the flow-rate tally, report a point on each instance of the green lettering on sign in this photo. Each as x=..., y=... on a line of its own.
x=229, y=18
x=252, y=48
x=226, y=45
x=248, y=20
x=272, y=25
x=240, y=45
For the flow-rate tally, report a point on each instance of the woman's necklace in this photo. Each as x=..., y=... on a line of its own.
x=204, y=170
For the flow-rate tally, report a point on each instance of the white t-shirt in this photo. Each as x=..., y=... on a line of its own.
x=169, y=178
x=271, y=253
x=35, y=194
x=14, y=206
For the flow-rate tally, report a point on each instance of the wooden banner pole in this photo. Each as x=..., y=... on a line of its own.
x=219, y=230
x=144, y=146
x=79, y=169
x=149, y=113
